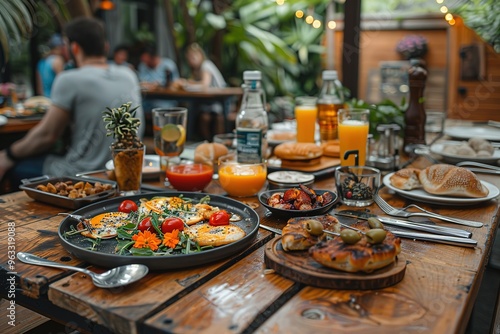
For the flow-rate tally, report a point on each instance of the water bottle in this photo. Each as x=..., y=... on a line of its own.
x=252, y=121
x=330, y=100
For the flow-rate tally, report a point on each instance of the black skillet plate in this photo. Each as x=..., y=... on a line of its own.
x=263, y=197
x=105, y=255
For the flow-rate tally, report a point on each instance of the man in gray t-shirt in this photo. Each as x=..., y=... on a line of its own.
x=79, y=96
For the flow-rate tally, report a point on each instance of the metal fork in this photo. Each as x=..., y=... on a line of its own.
x=392, y=211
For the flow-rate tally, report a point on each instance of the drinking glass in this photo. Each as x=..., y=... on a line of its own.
x=353, y=135
x=306, y=113
x=188, y=175
x=241, y=179
x=169, y=128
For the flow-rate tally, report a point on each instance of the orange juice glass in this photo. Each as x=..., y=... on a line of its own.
x=353, y=135
x=306, y=114
x=241, y=180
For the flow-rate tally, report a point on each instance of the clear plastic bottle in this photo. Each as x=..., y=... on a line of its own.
x=330, y=100
x=251, y=121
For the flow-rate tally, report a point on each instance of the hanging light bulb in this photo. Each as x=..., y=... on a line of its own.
x=106, y=5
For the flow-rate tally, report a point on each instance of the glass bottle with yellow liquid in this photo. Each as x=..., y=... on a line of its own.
x=330, y=100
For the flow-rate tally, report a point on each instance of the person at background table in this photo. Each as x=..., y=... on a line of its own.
x=204, y=73
x=120, y=56
x=155, y=71
x=79, y=96
x=49, y=66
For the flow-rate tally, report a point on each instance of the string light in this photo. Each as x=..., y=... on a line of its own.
x=299, y=14
x=316, y=24
x=280, y=2
x=332, y=25
x=448, y=17
x=444, y=9
x=439, y=1
x=106, y=5
x=451, y=22
x=309, y=19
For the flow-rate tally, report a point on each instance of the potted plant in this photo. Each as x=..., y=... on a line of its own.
x=412, y=46
x=127, y=149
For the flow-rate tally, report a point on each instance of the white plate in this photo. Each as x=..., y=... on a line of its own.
x=3, y=120
x=438, y=148
x=283, y=134
x=151, y=167
x=467, y=132
x=423, y=196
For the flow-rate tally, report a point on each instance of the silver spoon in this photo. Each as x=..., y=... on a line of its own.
x=112, y=278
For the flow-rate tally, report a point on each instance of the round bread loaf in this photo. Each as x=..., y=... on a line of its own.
x=331, y=148
x=298, y=151
x=209, y=152
x=451, y=180
x=406, y=179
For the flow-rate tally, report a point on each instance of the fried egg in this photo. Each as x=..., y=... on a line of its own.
x=103, y=226
x=208, y=235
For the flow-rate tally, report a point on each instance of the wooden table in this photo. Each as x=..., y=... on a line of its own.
x=238, y=295
x=226, y=96
x=19, y=125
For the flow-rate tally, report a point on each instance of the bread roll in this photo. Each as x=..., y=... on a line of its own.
x=331, y=148
x=406, y=179
x=450, y=180
x=298, y=151
x=209, y=152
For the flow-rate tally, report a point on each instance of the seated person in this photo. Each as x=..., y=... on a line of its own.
x=49, y=66
x=206, y=74
x=155, y=71
x=79, y=97
x=120, y=56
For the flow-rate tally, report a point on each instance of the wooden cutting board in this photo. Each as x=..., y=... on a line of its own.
x=300, y=267
x=312, y=165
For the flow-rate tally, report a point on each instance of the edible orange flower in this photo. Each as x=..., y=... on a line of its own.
x=146, y=239
x=171, y=239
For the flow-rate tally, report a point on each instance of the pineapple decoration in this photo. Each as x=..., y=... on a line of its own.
x=127, y=149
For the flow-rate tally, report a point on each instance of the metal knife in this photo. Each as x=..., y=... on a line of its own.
x=443, y=239
x=454, y=232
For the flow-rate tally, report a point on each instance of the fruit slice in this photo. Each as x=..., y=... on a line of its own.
x=182, y=139
x=170, y=133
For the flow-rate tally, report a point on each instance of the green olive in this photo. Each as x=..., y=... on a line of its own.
x=375, y=223
x=349, y=236
x=314, y=227
x=376, y=235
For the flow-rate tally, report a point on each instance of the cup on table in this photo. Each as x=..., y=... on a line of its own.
x=226, y=139
x=128, y=164
x=189, y=176
x=306, y=113
x=353, y=135
x=356, y=185
x=434, y=125
x=169, y=129
x=241, y=179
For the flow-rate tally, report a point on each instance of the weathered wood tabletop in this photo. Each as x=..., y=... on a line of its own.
x=238, y=294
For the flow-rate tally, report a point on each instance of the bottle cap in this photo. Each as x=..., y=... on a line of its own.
x=330, y=75
x=252, y=75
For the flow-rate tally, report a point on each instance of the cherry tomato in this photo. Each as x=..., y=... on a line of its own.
x=127, y=206
x=219, y=218
x=172, y=223
x=146, y=225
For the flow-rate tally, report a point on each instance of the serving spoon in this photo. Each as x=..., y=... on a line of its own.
x=112, y=278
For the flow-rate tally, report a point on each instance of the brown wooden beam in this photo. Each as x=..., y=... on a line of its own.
x=351, y=49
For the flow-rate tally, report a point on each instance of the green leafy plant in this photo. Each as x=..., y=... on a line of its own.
x=16, y=25
x=123, y=126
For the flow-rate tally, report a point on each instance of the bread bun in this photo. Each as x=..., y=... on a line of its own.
x=209, y=152
x=451, y=180
x=406, y=179
x=331, y=148
x=298, y=151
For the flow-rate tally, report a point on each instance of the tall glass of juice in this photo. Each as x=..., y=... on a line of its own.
x=353, y=134
x=241, y=179
x=306, y=113
x=169, y=128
